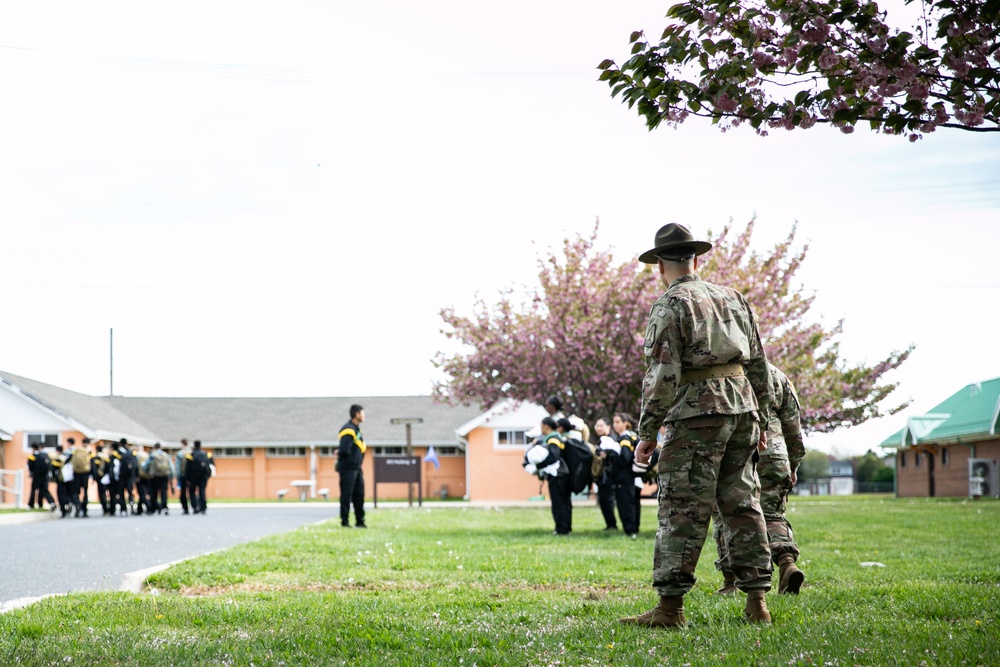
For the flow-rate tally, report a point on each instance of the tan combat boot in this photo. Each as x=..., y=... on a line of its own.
x=728, y=584
x=756, y=611
x=669, y=613
x=790, y=578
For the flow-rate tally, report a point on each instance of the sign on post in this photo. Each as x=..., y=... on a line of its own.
x=398, y=470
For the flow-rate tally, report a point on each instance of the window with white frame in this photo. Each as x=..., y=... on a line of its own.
x=511, y=438
x=286, y=452
x=447, y=451
x=45, y=440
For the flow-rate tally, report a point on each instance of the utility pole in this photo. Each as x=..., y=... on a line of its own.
x=409, y=421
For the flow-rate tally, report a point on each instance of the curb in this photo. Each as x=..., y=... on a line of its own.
x=27, y=516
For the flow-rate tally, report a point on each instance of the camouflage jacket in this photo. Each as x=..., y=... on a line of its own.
x=784, y=430
x=696, y=325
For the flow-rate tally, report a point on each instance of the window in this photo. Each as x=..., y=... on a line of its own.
x=916, y=459
x=902, y=459
x=286, y=452
x=232, y=452
x=507, y=438
x=447, y=451
x=327, y=451
x=944, y=456
x=382, y=450
x=46, y=440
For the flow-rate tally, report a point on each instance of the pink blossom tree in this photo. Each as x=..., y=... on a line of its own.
x=580, y=335
x=796, y=63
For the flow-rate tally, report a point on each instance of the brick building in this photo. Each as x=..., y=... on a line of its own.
x=934, y=449
x=262, y=445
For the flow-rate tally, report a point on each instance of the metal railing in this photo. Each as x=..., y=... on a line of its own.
x=12, y=482
x=873, y=487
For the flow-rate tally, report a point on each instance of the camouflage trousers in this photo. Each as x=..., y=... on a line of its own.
x=706, y=464
x=775, y=476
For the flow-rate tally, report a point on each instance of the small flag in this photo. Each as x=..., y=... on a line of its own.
x=432, y=456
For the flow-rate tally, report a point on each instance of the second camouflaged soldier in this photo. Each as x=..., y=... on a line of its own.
x=776, y=470
x=707, y=379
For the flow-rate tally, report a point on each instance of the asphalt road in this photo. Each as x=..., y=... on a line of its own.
x=94, y=554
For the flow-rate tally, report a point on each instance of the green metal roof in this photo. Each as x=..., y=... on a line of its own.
x=971, y=411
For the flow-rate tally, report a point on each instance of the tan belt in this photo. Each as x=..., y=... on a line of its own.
x=721, y=371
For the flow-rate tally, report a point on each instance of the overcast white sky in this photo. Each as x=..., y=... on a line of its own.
x=276, y=199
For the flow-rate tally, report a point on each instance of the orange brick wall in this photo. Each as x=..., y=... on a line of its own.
x=495, y=473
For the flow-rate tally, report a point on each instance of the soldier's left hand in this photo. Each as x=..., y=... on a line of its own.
x=762, y=443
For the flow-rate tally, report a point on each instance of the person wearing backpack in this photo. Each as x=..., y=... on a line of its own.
x=80, y=459
x=38, y=468
x=162, y=472
x=183, y=486
x=101, y=472
x=544, y=458
x=143, y=481
x=198, y=470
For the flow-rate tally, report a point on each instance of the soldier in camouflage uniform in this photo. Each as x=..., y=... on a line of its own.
x=776, y=471
x=707, y=379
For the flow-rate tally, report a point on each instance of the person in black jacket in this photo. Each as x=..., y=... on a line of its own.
x=38, y=466
x=123, y=469
x=350, y=454
x=197, y=471
x=544, y=459
x=626, y=495
x=607, y=450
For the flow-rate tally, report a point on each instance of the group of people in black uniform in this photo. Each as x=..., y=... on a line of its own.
x=129, y=480
x=619, y=478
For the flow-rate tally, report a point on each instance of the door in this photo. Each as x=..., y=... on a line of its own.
x=930, y=474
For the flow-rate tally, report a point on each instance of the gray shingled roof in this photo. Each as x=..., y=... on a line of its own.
x=298, y=420
x=251, y=420
x=91, y=411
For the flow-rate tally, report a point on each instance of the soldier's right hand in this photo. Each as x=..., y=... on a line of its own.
x=644, y=450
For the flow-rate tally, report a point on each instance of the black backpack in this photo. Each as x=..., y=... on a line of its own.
x=40, y=466
x=579, y=458
x=197, y=467
x=130, y=464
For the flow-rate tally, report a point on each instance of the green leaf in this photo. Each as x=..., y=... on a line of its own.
x=635, y=36
x=606, y=63
x=709, y=46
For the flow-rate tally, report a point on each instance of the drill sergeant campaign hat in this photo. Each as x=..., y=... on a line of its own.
x=674, y=242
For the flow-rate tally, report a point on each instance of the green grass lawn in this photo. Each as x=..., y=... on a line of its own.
x=450, y=586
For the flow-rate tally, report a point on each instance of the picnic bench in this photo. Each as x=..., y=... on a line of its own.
x=303, y=485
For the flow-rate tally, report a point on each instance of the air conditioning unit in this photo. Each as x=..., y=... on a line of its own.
x=984, y=478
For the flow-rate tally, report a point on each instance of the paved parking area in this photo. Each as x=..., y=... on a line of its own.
x=56, y=556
